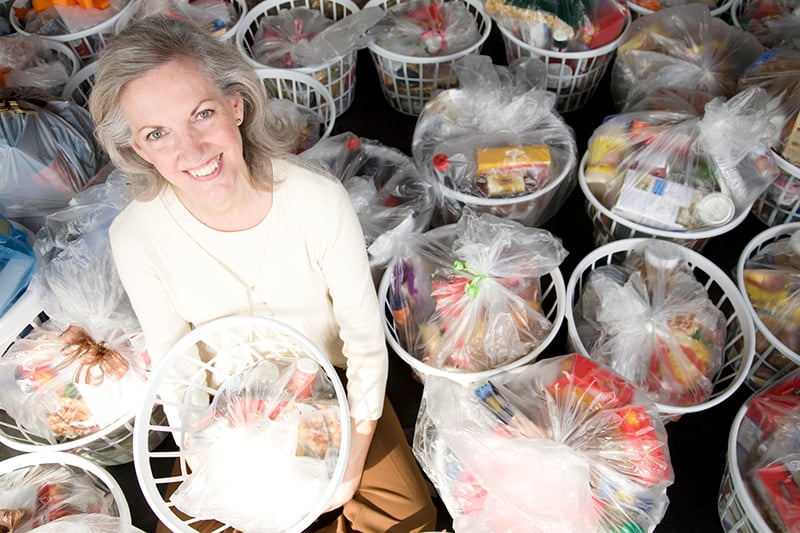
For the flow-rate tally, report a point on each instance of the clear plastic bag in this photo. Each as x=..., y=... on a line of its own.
x=35, y=496
x=773, y=22
x=25, y=61
x=16, y=263
x=474, y=303
x=47, y=154
x=307, y=122
x=215, y=16
x=496, y=138
x=682, y=46
x=559, y=446
x=85, y=523
x=650, y=320
x=264, y=451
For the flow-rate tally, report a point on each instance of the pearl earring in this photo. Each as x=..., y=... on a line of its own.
x=238, y=121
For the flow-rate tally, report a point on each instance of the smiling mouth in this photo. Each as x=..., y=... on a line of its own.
x=207, y=170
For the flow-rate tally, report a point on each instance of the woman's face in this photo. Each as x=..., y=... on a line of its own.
x=186, y=128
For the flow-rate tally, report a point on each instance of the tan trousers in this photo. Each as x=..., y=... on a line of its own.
x=393, y=497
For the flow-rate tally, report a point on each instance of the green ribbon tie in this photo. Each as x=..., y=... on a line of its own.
x=471, y=288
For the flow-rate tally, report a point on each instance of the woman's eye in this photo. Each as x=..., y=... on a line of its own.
x=205, y=113
x=155, y=135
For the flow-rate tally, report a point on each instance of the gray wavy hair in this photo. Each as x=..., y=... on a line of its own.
x=159, y=39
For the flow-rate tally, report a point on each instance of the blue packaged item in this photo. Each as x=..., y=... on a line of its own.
x=16, y=264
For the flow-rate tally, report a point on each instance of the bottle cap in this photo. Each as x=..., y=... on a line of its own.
x=663, y=255
x=715, y=209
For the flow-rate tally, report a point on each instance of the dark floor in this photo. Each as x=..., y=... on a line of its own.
x=697, y=441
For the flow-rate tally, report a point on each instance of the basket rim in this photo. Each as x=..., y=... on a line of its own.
x=717, y=11
x=141, y=452
x=465, y=378
x=77, y=79
x=299, y=76
x=786, y=165
x=698, y=260
x=40, y=458
x=393, y=56
x=61, y=48
x=734, y=11
x=69, y=37
x=656, y=232
x=587, y=54
x=768, y=234
x=753, y=515
x=258, y=11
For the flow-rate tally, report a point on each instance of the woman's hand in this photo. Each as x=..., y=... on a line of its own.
x=360, y=441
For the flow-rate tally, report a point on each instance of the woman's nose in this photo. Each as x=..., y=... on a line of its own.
x=191, y=146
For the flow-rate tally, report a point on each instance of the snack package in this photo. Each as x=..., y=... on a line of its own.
x=272, y=438
x=25, y=61
x=651, y=320
x=561, y=25
x=680, y=171
x=560, y=446
x=47, y=154
x=16, y=263
x=682, y=46
x=428, y=28
x=772, y=278
x=387, y=192
x=215, y=16
x=37, y=496
x=768, y=452
x=85, y=366
x=778, y=73
x=773, y=22
x=472, y=301
x=496, y=145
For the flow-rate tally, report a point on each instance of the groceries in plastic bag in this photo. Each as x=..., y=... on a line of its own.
x=85, y=366
x=655, y=5
x=680, y=171
x=65, y=17
x=47, y=154
x=470, y=300
x=16, y=263
x=772, y=283
x=304, y=37
x=561, y=25
x=215, y=16
x=650, y=320
x=496, y=144
x=264, y=452
x=778, y=73
x=38, y=496
x=26, y=61
x=773, y=22
x=560, y=446
x=385, y=187
x=768, y=453
x=308, y=123
x=682, y=46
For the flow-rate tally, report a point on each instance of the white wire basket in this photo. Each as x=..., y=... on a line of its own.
x=740, y=338
x=86, y=43
x=228, y=34
x=408, y=82
x=780, y=202
x=573, y=76
x=78, y=464
x=552, y=300
x=241, y=341
x=111, y=445
x=80, y=85
x=305, y=91
x=338, y=75
x=608, y=226
x=773, y=359
x=720, y=11
x=736, y=10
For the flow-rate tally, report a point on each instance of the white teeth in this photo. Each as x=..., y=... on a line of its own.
x=206, y=170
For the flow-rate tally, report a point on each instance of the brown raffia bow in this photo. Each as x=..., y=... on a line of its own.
x=80, y=347
x=10, y=519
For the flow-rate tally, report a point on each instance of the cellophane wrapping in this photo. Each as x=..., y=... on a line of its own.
x=560, y=446
x=215, y=16
x=271, y=438
x=309, y=124
x=39, y=496
x=649, y=319
x=682, y=46
x=768, y=453
x=473, y=303
x=497, y=138
x=26, y=61
x=773, y=22
x=680, y=169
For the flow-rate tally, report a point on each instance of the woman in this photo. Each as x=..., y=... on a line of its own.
x=226, y=223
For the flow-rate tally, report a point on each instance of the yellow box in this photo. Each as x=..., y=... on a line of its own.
x=504, y=158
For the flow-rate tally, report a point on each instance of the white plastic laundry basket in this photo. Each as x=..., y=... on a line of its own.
x=338, y=75
x=780, y=202
x=773, y=359
x=80, y=85
x=239, y=9
x=407, y=82
x=239, y=340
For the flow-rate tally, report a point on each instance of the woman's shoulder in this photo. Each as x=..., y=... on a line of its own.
x=302, y=177
x=137, y=219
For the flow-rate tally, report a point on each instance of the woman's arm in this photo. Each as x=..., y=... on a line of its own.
x=361, y=439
